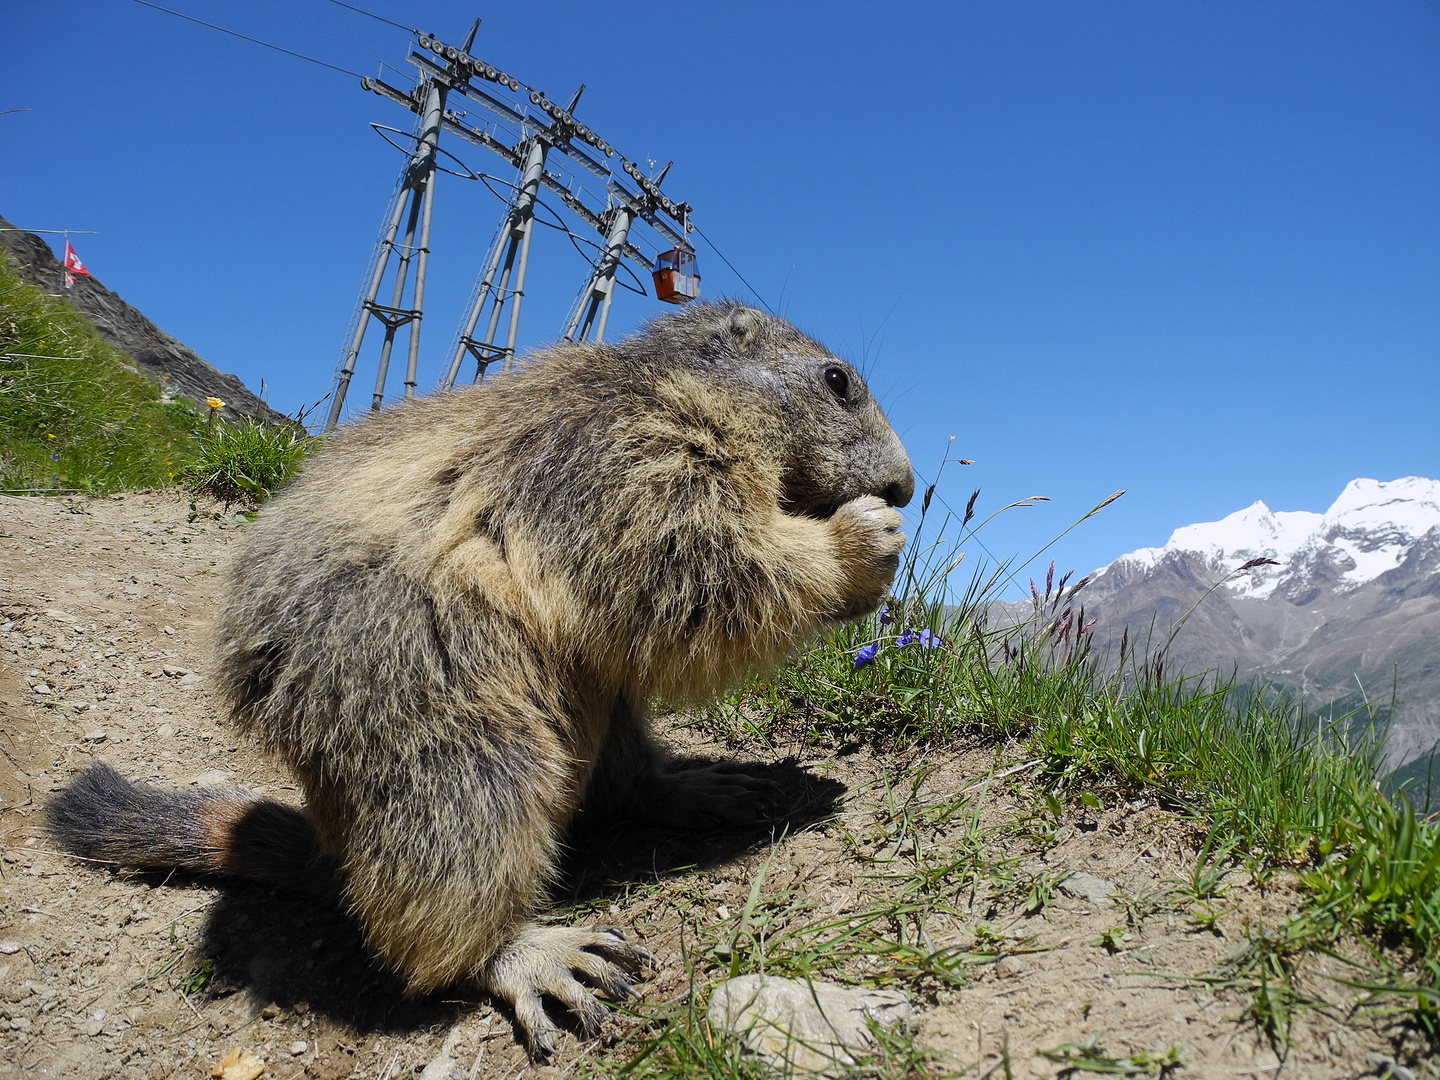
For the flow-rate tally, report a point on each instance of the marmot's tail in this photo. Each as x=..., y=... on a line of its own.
x=103, y=816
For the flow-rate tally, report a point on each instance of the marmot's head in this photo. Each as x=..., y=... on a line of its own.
x=837, y=443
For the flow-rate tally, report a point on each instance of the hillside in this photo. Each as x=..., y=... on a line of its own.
x=1350, y=613
x=1035, y=928
x=181, y=371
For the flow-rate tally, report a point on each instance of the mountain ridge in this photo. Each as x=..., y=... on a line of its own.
x=181, y=371
x=1347, y=616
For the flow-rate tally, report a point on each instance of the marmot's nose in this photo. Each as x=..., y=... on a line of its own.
x=901, y=491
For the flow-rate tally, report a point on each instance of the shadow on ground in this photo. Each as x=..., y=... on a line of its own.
x=286, y=948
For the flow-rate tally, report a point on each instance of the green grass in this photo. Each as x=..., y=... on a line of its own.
x=74, y=414
x=245, y=462
x=1270, y=788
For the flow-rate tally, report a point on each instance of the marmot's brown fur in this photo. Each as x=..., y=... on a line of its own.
x=450, y=624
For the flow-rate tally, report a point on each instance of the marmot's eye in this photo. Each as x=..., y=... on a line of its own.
x=838, y=381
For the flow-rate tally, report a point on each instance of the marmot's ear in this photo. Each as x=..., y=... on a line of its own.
x=744, y=328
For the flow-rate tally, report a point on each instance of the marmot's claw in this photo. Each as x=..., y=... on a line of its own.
x=610, y=943
x=544, y=962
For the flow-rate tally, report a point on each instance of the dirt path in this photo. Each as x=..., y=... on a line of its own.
x=103, y=607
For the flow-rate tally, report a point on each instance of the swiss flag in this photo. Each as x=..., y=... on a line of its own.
x=73, y=265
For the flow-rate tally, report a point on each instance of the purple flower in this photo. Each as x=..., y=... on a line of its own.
x=866, y=654
x=54, y=457
x=928, y=640
x=885, y=616
x=905, y=639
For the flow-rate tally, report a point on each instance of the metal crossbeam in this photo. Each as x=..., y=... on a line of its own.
x=524, y=136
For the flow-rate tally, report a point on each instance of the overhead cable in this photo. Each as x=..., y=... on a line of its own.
x=377, y=18
x=728, y=263
x=252, y=40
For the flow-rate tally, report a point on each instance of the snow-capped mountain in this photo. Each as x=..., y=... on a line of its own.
x=1369, y=531
x=1350, y=613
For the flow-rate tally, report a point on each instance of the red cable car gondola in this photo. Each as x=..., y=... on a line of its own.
x=677, y=279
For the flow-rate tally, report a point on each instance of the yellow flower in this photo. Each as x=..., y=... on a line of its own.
x=214, y=403
x=49, y=436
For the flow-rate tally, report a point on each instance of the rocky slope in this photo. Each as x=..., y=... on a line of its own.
x=1349, y=612
x=181, y=371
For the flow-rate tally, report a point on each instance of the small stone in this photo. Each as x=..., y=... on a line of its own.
x=803, y=1027
x=10, y=948
x=92, y=1027
x=20, y=1023
x=298, y=1047
x=169, y=629
x=211, y=777
x=443, y=1065
x=1386, y=1066
x=238, y=1065
x=1011, y=967
x=165, y=731
x=173, y=671
x=95, y=736
x=301, y=1008
x=270, y=1012
x=1088, y=887
x=188, y=680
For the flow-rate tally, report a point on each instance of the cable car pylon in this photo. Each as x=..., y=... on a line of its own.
x=514, y=241
x=417, y=194
x=530, y=132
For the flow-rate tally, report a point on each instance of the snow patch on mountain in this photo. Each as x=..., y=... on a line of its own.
x=1368, y=531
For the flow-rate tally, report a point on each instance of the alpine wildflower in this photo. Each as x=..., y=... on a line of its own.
x=866, y=655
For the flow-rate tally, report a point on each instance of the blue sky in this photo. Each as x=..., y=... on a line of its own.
x=1188, y=249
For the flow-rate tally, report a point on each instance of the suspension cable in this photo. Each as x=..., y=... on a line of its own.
x=247, y=37
x=728, y=263
x=377, y=18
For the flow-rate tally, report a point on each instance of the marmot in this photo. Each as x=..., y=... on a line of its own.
x=450, y=624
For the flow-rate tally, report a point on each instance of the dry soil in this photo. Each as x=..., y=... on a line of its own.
x=106, y=973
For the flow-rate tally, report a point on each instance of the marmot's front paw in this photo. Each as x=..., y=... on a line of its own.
x=867, y=531
x=544, y=960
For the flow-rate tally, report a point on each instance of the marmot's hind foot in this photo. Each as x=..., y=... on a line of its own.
x=544, y=960
x=722, y=792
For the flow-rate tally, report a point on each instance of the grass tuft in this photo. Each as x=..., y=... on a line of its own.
x=245, y=462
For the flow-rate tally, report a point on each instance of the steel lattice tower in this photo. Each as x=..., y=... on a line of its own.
x=529, y=132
